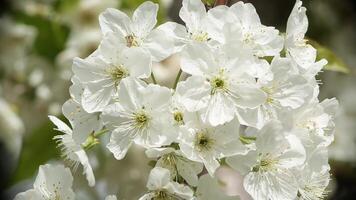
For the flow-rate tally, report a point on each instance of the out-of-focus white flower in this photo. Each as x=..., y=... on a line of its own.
x=267, y=170
x=139, y=31
x=111, y=197
x=139, y=117
x=16, y=40
x=161, y=187
x=84, y=15
x=207, y=144
x=209, y=188
x=52, y=182
x=177, y=164
x=12, y=129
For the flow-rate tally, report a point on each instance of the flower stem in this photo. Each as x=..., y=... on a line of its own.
x=100, y=133
x=153, y=78
x=177, y=79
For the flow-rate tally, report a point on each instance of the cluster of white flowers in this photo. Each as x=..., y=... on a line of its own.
x=249, y=100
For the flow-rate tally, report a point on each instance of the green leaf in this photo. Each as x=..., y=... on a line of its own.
x=335, y=63
x=209, y=3
x=37, y=149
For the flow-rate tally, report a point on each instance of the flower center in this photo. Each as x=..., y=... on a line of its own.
x=141, y=119
x=132, y=41
x=117, y=73
x=217, y=84
x=266, y=163
x=269, y=92
x=203, y=142
x=178, y=117
x=161, y=195
x=200, y=36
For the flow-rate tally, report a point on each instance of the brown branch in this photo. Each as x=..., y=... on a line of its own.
x=220, y=2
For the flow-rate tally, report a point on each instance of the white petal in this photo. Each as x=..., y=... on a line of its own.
x=95, y=101
x=271, y=185
x=242, y=163
x=55, y=179
x=159, y=177
x=189, y=170
x=297, y=24
x=89, y=70
x=29, y=195
x=87, y=170
x=210, y=163
x=113, y=20
x=160, y=100
x=295, y=155
x=159, y=45
x=61, y=126
x=220, y=110
x=180, y=190
x=245, y=13
x=177, y=32
x=129, y=93
x=194, y=93
x=120, y=142
x=83, y=123
x=137, y=61
x=144, y=18
x=158, y=152
x=192, y=13
x=247, y=95
x=198, y=60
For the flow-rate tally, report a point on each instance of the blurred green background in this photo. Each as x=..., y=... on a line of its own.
x=39, y=38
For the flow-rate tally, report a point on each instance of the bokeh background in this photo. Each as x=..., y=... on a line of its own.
x=39, y=39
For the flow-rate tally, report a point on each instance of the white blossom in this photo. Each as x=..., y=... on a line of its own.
x=287, y=90
x=178, y=165
x=207, y=144
x=138, y=32
x=218, y=85
x=101, y=74
x=139, y=117
x=268, y=169
x=161, y=187
x=303, y=54
x=244, y=28
x=52, y=182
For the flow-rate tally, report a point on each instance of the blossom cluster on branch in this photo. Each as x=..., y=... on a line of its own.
x=246, y=96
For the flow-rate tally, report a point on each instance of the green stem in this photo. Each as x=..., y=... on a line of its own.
x=153, y=78
x=102, y=132
x=177, y=79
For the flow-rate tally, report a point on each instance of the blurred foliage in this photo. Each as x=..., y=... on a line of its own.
x=38, y=148
x=51, y=34
x=64, y=5
x=335, y=63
